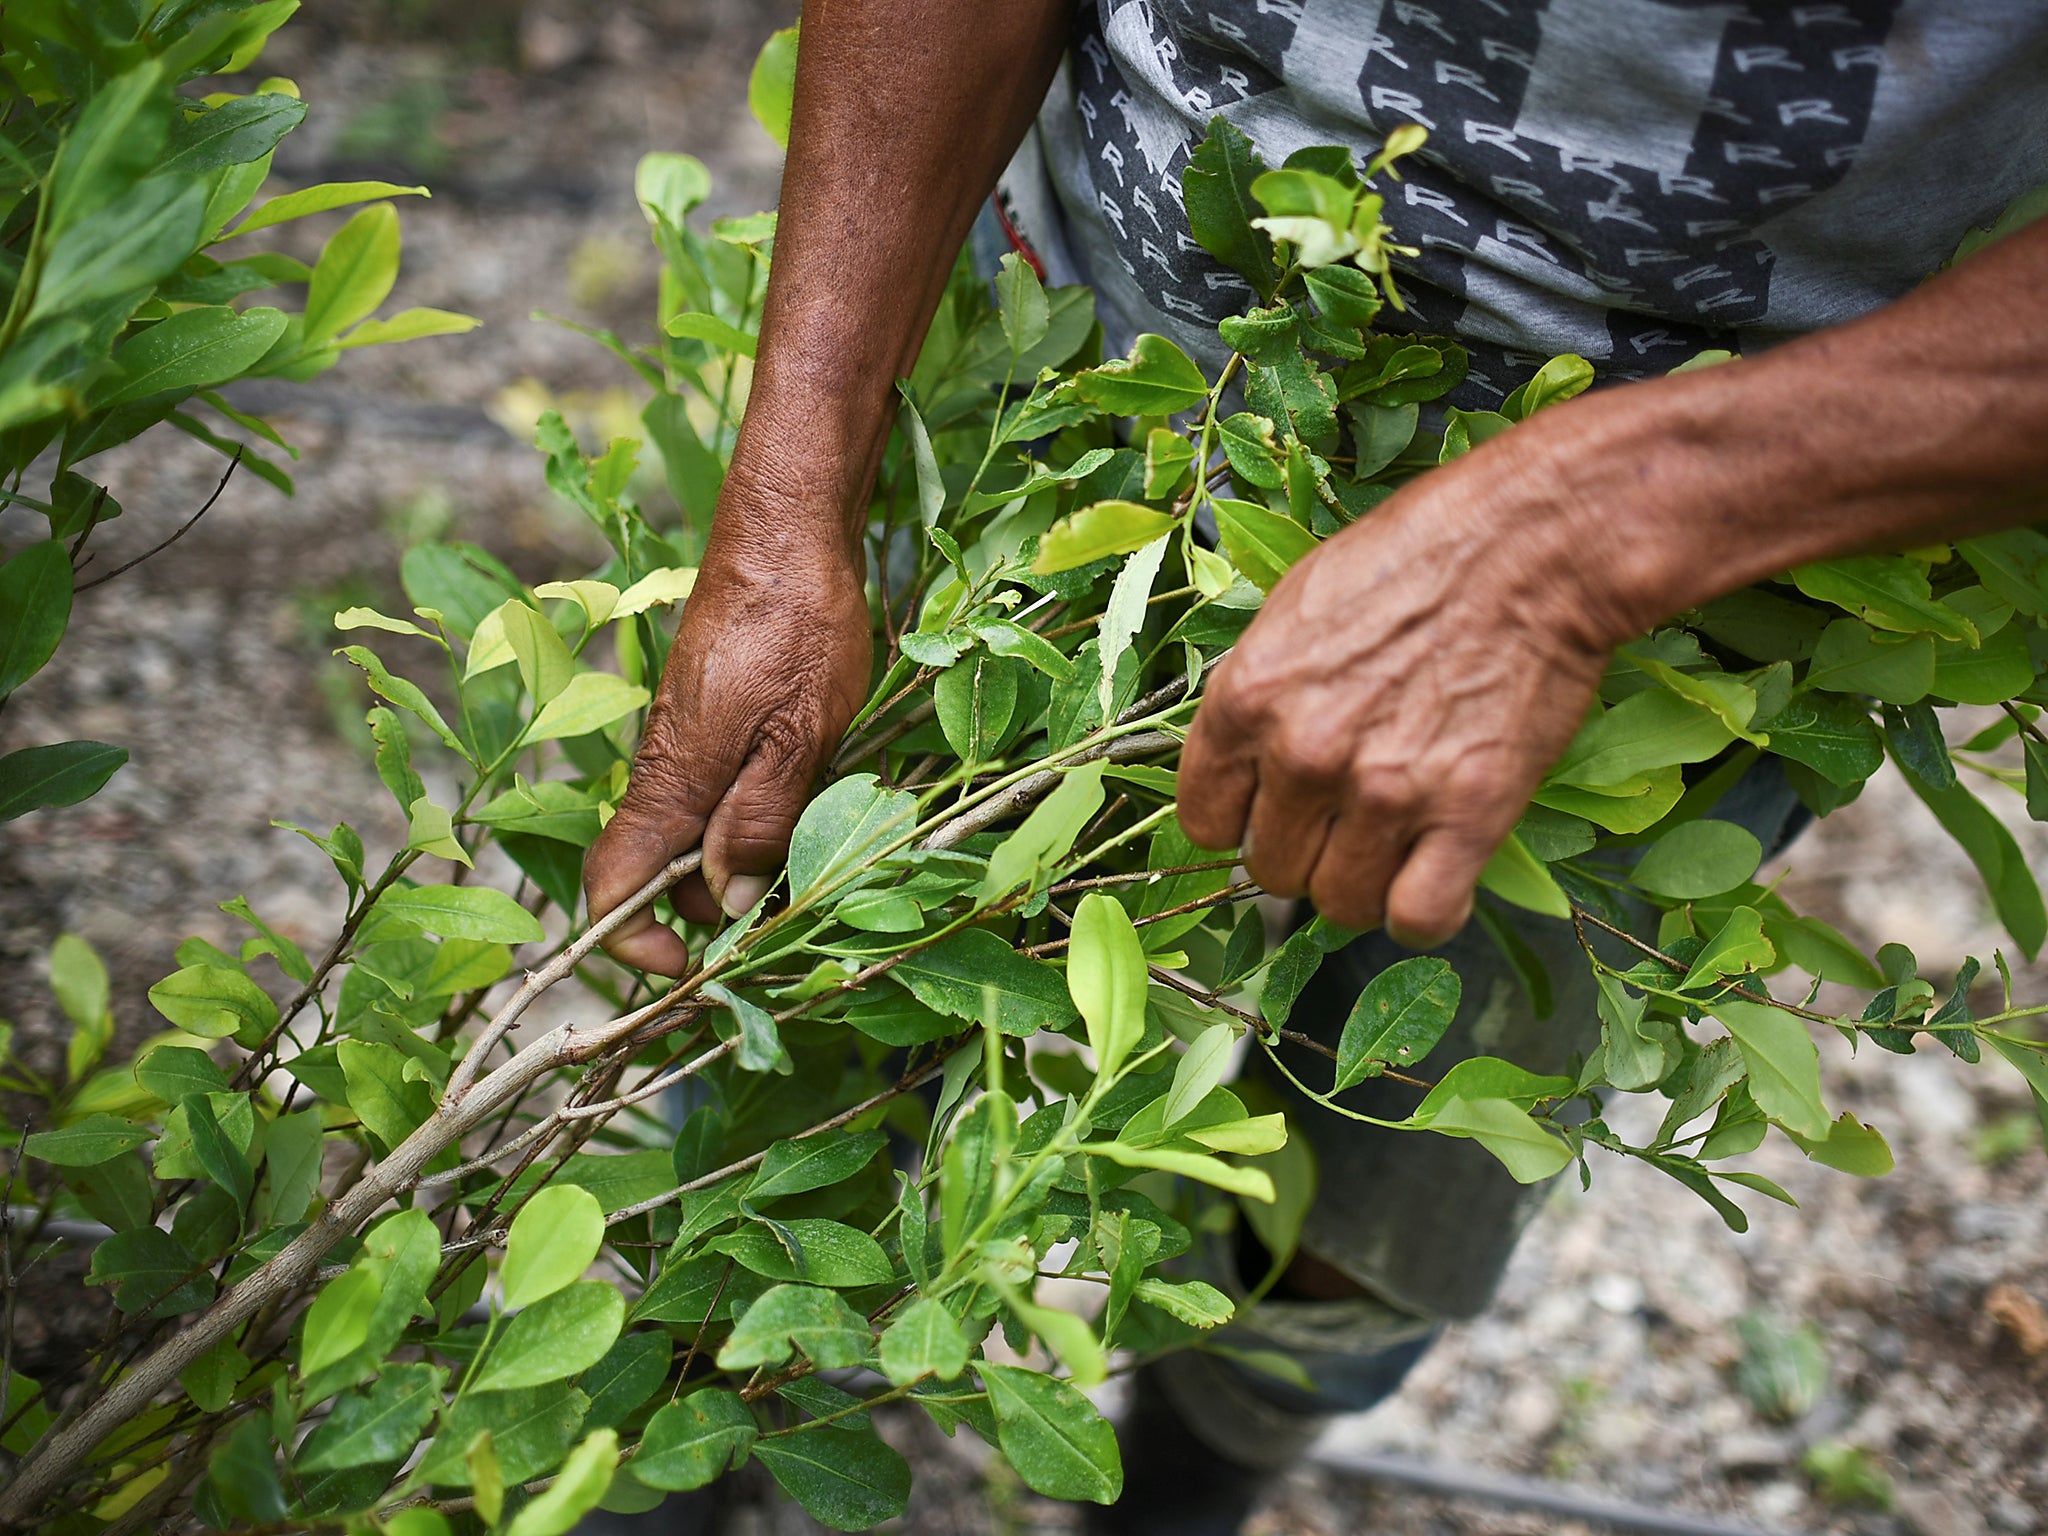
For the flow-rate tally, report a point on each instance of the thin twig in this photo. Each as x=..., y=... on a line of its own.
x=183, y=529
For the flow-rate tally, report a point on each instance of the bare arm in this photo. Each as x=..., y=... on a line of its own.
x=1382, y=724
x=905, y=113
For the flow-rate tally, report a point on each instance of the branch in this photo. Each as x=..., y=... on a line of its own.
x=54, y=1458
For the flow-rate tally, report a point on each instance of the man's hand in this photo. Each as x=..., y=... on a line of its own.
x=769, y=665
x=1379, y=728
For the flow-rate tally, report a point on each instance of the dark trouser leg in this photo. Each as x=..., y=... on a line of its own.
x=1423, y=1225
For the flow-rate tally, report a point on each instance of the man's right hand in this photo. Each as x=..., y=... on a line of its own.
x=769, y=665
x=904, y=113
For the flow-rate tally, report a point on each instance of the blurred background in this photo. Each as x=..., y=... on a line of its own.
x=1872, y=1362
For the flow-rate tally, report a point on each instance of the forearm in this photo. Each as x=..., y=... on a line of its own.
x=905, y=114
x=1923, y=422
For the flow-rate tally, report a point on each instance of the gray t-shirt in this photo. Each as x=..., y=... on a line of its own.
x=1631, y=180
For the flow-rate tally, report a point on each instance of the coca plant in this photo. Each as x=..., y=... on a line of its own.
x=386, y=1257
x=125, y=212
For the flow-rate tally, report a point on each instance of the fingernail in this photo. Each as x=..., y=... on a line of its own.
x=743, y=893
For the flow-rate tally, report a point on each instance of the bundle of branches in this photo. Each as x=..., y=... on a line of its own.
x=978, y=1034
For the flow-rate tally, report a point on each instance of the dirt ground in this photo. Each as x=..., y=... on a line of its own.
x=1611, y=1359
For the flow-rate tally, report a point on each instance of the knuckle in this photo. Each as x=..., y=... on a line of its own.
x=1385, y=789
x=1308, y=751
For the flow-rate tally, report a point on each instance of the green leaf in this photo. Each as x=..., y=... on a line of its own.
x=1988, y=673
x=1096, y=532
x=1045, y=837
x=86, y=1143
x=1886, y=591
x=810, y=1249
x=212, y=1001
x=1488, y=1077
x=628, y=1375
x=1850, y=1146
x=1784, y=1066
x=171, y=1072
x=549, y=808
x=1699, y=858
x=1851, y=657
x=545, y=665
x=210, y=1381
x=1122, y=617
x=812, y=1162
x=761, y=1047
x=552, y=1241
x=194, y=349
x=1020, y=300
x=691, y=1441
x=151, y=1271
x=771, y=88
x=39, y=778
x=121, y=251
x=354, y=275
x=1061, y=1447
x=557, y=1336
x=832, y=1335
x=1997, y=856
x=407, y=325
x=531, y=1430
x=1007, y=639
x=591, y=701
x=404, y=694
x=462, y=912
x=1528, y=1152
x=1260, y=542
x=321, y=199
x=1831, y=734
x=1345, y=296
x=243, y=1472
x=1200, y=1069
x=1514, y=874
x=292, y=1146
x=696, y=325
x=844, y=1478
x=560, y=1507
x=1157, y=379
x=1647, y=731
x=976, y=698
x=923, y=1341
x=35, y=607
x=1398, y=1018
x=1194, y=1302
x=976, y=976
x=1107, y=977
x=1557, y=380
x=853, y=818
x=1216, y=191
x=221, y=1159
x=381, y=1425
x=2013, y=565
x=1738, y=945
x=1254, y=453
x=338, y=1322
x=1252, y=1183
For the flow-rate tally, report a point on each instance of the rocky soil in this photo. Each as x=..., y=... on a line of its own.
x=1611, y=1359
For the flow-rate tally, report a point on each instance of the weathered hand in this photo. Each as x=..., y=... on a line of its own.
x=1381, y=725
x=769, y=665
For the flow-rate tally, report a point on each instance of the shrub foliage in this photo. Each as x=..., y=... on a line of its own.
x=387, y=1252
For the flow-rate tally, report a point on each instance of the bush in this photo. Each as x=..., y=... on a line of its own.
x=124, y=223
x=981, y=1029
